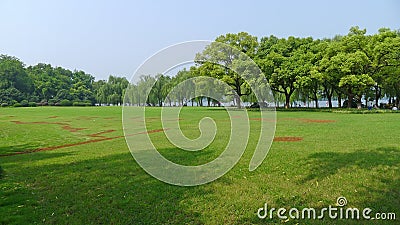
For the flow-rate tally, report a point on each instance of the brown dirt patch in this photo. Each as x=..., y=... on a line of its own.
x=52, y=117
x=256, y=119
x=307, y=120
x=288, y=139
x=99, y=134
x=39, y=122
x=65, y=126
x=81, y=143
x=72, y=129
x=87, y=117
x=317, y=121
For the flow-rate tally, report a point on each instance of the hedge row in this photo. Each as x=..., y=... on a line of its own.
x=25, y=103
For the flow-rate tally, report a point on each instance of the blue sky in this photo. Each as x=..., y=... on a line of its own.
x=115, y=37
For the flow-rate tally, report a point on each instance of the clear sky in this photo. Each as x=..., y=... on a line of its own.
x=115, y=37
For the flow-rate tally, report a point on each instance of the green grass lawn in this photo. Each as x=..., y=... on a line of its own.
x=88, y=176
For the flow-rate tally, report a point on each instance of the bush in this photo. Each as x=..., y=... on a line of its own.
x=78, y=104
x=17, y=105
x=24, y=103
x=82, y=104
x=32, y=104
x=353, y=104
x=65, y=102
x=4, y=104
x=52, y=102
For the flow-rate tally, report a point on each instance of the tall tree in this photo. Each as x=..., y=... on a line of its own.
x=14, y=81
x=230, y=58
x=284, y=64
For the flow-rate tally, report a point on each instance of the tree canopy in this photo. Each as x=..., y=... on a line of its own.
x=356, y=67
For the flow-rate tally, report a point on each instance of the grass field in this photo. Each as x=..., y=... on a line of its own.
x=78, y=169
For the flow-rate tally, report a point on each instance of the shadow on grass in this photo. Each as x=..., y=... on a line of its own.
x=112, y=190
x=381, y=193
x=324, y=164
x=4, y=150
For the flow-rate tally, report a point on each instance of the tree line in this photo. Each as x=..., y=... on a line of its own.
x=44, y=84
x=355, y=67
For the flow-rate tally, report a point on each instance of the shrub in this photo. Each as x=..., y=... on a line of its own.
x=24, y=103
x=65, y=102
x=42, y=103
x=78, y=104
x=82, y=104
x=17, y=105
x=52, y=102
x=4, y=104
x=32, y=104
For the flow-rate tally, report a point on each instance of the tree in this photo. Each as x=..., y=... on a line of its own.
x=329, y=72
x=284, y=64
x=354, y=63
x=81, y=89
x=227, y=57
x=383, y=49
x=14, y=81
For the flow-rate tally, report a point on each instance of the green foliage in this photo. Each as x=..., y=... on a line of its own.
x=351, y=66
x=65, y=102
x=81, y=104
x=24, y=103
x=111, y=91
x=32, y=104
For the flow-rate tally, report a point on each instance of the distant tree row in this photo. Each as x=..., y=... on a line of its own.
x=46, y=85
x=356, y=67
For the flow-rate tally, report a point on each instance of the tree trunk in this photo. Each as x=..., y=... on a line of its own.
x=378, y=93
x=330, y=101
x=238, y=101
x=359, y=102
x=316, y=100
x=329, y=95
x=339, y=98
x=350, y=100
x=287, y=100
